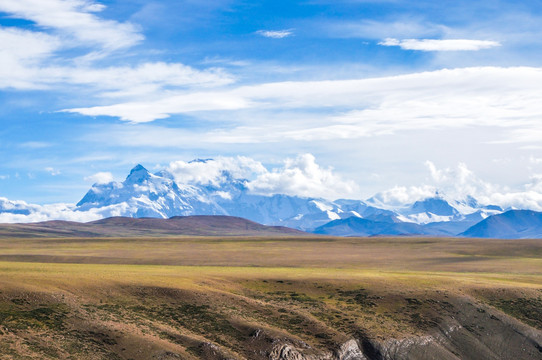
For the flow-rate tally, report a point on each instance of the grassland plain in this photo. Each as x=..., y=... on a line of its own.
x=189, y=297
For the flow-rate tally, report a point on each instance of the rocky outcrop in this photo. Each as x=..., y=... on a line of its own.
x=471, y=331
x=350, y=350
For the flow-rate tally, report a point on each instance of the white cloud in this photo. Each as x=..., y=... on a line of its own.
x=213, y=171
x=440, y=45
x=28, y=46
x=460, y=182
x=52, y=171
x=488, y=97
x=402, y=195
x=100, y=178
x=302, y=176
x=75, y=18
x=33, y=59
x=22, y=212
x=20, y=53
x=457, y=183
x=275, y=34
x=139, y=112
x=26, y=60
x=141, y=80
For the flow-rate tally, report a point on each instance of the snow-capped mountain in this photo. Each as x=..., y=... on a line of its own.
x=440, y=209
x=143, y=194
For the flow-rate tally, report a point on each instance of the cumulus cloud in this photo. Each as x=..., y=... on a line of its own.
x=100, y=178
x=440, y=45
x=458, y=183
x=275, y=34
x=302, y=176
x=215, y=171
x=402, y=195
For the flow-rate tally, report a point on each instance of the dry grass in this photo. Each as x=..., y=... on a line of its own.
x=138, y=298
x=423, y=254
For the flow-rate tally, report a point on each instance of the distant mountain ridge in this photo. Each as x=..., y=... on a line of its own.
x=203, y=225
x=143, y=194
x=513, y=224
x=146, y=195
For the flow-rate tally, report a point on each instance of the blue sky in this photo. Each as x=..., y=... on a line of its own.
x=383, y=95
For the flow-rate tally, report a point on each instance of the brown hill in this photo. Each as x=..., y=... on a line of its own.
x=125, y=227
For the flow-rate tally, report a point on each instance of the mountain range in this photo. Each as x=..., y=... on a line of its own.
x=146, y=195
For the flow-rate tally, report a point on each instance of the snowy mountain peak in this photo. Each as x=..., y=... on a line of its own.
x=165, y=174
x=436, y=205
x=138, y=174
x=163, y=195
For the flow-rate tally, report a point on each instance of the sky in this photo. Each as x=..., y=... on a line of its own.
x=352, y=97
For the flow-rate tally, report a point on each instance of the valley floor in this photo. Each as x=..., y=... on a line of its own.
x=270, y=298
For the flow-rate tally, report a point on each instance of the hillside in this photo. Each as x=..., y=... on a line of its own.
x=270, y=298
x=123, y=227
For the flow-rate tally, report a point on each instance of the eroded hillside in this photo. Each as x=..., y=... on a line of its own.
x=271, y=311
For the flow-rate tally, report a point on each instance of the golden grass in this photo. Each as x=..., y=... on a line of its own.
x=179, y=293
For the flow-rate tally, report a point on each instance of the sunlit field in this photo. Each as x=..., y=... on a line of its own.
x=248, y=298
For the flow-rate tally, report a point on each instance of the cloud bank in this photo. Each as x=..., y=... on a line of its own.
x=480, y=97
